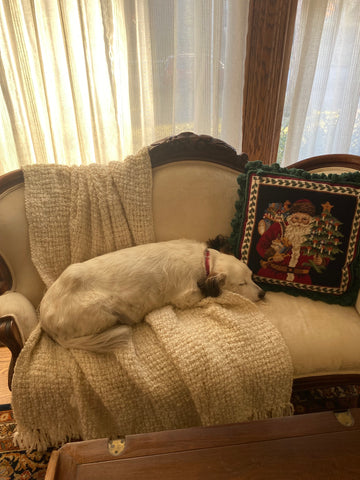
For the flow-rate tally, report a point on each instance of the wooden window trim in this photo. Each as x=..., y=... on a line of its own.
x=269, y=42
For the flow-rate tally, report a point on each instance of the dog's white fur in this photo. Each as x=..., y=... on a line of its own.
x=92, y=304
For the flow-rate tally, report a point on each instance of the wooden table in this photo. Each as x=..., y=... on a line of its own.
x=312, y=446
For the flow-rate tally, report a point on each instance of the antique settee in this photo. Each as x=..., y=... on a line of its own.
x=195, y=190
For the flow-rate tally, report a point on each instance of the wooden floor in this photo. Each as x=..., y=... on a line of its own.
x=5, y=394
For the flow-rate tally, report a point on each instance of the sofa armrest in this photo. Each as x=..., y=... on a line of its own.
x=10, y=337
x=17, y=320
x=17, y=306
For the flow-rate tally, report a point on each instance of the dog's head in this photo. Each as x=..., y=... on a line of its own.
x=231, y=274
x=237, y=277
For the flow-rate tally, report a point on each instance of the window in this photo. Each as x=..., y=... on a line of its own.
x=322, y=109
x=95, y=80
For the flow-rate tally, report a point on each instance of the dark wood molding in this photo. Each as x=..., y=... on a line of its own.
x=270, y=33
x=11, y=338
x=325, y=381
x=196, y=147
x=344, y=160
x=9, y=180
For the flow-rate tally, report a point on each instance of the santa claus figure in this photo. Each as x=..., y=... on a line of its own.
x=281, y=247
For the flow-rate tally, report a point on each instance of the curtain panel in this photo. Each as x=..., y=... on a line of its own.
x=322, y=109
x=86, y=81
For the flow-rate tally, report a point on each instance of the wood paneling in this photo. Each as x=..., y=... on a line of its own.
x=312, y=446
x=269, y=42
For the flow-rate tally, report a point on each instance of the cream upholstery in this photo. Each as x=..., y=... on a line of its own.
x=323, y=339
x=14, y=245
x=193, y=199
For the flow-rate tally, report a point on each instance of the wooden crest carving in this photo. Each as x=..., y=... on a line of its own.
x=196, y=147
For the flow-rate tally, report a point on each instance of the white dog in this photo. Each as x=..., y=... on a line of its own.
x=92, y=304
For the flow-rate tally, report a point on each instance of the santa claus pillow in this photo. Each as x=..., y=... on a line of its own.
x=299, y=232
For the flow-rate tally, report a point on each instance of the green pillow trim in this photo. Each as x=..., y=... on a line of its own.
x=288, y=180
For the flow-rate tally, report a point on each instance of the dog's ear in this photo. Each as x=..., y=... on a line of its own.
x=221, y=243
x=210, y=286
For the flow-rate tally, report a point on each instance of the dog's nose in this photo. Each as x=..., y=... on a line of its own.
x=261, y=294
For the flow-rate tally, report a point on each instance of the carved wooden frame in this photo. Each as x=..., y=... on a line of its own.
x=174, y=149
x=196, y=147
x=328, y=161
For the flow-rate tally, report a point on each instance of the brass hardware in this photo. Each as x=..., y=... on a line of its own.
x=345, y=418
x=116, y=447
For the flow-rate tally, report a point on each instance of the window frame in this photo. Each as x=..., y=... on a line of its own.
x=271, y=25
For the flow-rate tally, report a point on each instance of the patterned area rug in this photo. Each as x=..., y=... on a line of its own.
x=326, y=399
x=14, y=463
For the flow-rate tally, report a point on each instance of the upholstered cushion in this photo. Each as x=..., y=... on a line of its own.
x=21, y=309
x=193, y=199
x=323, y=339
x=299, y=232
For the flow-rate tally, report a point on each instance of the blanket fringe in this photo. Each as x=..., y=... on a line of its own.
x=286, y=410
x=41, y=441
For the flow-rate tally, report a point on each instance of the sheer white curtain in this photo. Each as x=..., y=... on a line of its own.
x=94, y=80
x=322, y=109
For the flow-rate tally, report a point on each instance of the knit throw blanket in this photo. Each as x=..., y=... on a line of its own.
x=219, y=362
x=76, y=213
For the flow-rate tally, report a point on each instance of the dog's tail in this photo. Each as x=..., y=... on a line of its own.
x=103, y=342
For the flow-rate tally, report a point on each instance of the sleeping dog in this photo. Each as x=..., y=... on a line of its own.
x=92, y=305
